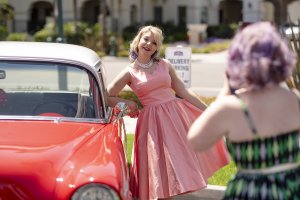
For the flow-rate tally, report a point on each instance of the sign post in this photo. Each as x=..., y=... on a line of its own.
x=180, y=58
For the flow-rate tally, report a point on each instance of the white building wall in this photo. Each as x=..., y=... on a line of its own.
x=213, y=14
x=170, y=8
x=293, y=10
x=170, y=11
x=268, y=11
x=125, y=12
x=147, y=11
x=68, y=14
x=194, y=11
x=22, y=13
x=252, y=10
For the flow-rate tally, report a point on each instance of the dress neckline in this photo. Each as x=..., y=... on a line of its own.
x=155, y=68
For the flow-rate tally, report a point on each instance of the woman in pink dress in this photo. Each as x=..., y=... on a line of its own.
x=163, y=163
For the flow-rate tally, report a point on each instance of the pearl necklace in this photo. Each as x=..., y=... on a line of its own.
x=144, y=66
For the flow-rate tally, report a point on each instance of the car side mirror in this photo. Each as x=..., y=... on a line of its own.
x=121, y=110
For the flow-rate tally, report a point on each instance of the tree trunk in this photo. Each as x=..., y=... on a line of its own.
x=142, y=11
x=75, y=14
x=104, y=31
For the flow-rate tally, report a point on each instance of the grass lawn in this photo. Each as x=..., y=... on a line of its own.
x=221, y=177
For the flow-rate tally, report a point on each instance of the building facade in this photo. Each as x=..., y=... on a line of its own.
x=32, y=15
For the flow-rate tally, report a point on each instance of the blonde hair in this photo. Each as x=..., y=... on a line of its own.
x=158, y=37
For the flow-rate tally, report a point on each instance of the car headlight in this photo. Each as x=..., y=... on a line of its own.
x=95, y=192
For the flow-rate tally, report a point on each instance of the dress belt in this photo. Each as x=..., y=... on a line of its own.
x=271, y=170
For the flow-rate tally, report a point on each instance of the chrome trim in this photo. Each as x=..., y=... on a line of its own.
x=55, y=119
x=109, y=114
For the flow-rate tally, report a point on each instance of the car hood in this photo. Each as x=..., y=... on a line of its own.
x=32, y=154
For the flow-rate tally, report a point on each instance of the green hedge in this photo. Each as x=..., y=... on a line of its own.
x=3, y=32
x=172, y=32
x=18, y=37
x=221, y=31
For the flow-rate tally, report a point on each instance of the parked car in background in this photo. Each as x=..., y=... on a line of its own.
x=288, y=29
x=58, y=137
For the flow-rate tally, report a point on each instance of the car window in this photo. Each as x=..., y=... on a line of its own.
x=48, y=89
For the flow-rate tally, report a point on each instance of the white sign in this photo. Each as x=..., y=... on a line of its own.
x=180, y=58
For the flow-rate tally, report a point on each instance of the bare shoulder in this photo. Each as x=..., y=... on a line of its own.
x=166, y=61
x=226, y=103
x=296, y=92
x=168, y=65
x=288, y=95
x=126, y=71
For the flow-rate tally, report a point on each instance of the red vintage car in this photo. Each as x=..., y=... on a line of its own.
x=58, y=137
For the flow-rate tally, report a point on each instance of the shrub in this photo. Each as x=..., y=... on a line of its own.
x=18, y=37
x=3, y=32
x=212, y=47
x=47, y=34
x=130, y=95
x=130, y=31
x=123, y=53
x=221, y=31
x=73, y=34
x=91, y=38
x=171, y=32
x=101, y=53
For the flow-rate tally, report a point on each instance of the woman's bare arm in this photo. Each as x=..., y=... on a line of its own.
x=183, y=92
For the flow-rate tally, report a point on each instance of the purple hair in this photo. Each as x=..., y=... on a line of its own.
x=259, y=57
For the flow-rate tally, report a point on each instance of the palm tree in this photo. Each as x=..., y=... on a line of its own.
x=142, y=11
x=75, y=13
x=6, y=12
x=103, y=12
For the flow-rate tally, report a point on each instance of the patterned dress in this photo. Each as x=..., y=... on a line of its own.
x=263, y=153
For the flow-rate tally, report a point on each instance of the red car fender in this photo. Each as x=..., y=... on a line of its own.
x=96, y=162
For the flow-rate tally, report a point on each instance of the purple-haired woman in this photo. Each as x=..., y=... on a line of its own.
x=261, y=120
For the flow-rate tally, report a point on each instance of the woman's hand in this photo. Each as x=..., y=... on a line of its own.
x=133, y=110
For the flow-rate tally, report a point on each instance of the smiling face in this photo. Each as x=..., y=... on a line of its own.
x=147, y=44
x=148, y=40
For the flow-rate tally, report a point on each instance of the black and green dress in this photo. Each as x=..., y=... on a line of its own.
x=263, y=153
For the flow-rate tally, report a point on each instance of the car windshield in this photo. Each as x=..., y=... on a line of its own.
x=47, y=89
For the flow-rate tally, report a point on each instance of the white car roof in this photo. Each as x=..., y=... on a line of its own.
x=48, y=51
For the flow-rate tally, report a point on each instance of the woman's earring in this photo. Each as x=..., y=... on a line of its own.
x=133, y=55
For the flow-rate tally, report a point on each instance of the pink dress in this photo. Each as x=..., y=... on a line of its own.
x=163, y=163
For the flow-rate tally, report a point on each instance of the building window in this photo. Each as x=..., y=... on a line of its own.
x=158, y=14
x=90, y=11
x=204, y=15
x=182, y=15
x=133, y=14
